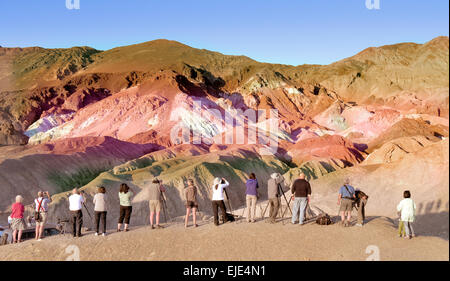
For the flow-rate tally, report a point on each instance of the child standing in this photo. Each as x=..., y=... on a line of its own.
x=407, y=209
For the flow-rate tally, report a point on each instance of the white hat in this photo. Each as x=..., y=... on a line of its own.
x=217, y=181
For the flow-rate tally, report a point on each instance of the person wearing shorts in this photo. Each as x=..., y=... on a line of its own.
x=17, y=222
x=154, y=193
x=41, y=206
x=345, y=202
x=191, y=203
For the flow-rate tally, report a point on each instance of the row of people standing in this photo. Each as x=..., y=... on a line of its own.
x=125, y=195
x=300, y=190
x=77, y=201
x=17, y=221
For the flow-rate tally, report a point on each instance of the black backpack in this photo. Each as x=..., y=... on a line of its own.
x=324, y=219
x=230, y=217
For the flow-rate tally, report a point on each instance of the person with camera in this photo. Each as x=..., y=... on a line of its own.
x=346, y=199
x=218, y=200
x=251, y=196
x=76, y=201
x=125, y=195
x=99, y=201
x=40, y=215
x=273, y=194
x=155, y=190
x=301, y=195
x=191, y=203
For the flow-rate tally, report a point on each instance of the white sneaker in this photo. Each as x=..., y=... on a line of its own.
x=96, y=234
x=104, y=234
x=358, y=224
x=39, y=239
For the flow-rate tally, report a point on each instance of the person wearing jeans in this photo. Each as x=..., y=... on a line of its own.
x=301, y=193
x=100, y=210
x=300, y=204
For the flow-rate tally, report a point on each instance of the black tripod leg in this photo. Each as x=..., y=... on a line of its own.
x=288, y=206
x=284, y=195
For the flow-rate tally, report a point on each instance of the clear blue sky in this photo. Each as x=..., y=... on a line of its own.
x=278, y=31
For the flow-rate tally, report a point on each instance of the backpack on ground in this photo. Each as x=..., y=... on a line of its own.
x=324, y=219
x=229, y=217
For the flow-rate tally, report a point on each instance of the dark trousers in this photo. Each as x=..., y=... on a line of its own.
x=100, y=216
x=125, y=214
x=216, y=204
x=77, y=221
x=362, y=211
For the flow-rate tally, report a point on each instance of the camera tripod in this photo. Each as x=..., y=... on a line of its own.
x=280, y=190
x=164, y=206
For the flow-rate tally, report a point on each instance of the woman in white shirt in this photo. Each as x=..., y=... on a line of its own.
x=217, y=199
x=100, y=210
x=407, y=209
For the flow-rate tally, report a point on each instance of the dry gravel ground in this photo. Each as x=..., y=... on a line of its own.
x=238, y=241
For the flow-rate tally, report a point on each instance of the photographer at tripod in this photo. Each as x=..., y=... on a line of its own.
x=155, y=196
x=75, y=205
x=274, y=193
x=41, y=209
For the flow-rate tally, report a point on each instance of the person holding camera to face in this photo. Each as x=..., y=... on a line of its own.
x=155, y=196
x=217, y=199
x=76, y=201
x=41, y=209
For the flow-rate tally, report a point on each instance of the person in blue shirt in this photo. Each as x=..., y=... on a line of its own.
x=345, y=201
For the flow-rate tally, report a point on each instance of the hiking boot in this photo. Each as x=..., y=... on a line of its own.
x=158, y=226
x=153, y=227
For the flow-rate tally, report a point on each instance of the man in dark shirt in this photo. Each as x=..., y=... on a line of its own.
x=301, y=193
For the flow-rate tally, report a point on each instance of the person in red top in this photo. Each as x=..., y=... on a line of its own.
x=17, y=223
